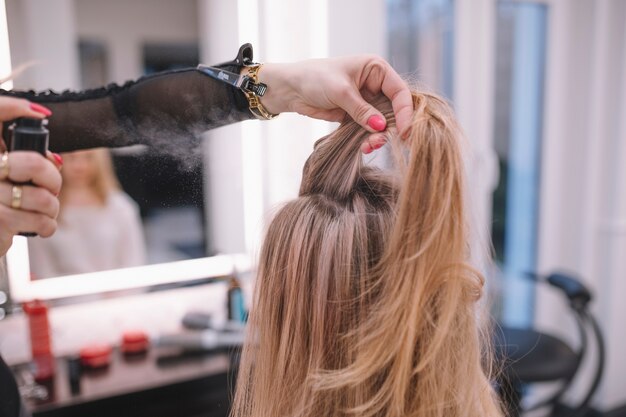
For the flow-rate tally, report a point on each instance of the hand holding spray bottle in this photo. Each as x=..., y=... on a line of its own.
x=29, y=134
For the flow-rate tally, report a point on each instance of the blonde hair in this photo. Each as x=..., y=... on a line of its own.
x=104, y=180
x=365, y=301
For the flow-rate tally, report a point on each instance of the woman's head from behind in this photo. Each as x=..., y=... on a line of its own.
x=365, y=303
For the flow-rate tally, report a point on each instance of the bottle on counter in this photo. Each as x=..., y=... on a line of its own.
x=235, y=303
x=40, y=340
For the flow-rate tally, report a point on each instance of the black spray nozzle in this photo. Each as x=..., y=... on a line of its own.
x=29, y=134
x=31, y=122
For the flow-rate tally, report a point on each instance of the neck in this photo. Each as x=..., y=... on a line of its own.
x=81, y=195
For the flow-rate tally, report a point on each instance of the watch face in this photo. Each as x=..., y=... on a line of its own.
x=259, y=89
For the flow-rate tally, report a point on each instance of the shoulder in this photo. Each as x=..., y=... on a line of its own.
x=119, y=200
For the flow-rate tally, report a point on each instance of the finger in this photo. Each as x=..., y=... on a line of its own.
x=55, y=158
x=27, y=166
x=16, y=221
x=12, y=108
x=6, y=240
x=35, y=199
x=350, y=100
x=394, y=87
x=373, y=142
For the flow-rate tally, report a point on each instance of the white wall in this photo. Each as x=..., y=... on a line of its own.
x=583, y=215
x=125, y=26
x=474, y=93
x=43, y=32
x=46, y=32
x=223, y=147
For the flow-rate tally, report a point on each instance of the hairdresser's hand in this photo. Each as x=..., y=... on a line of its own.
x=38, y=205
x=329, y=88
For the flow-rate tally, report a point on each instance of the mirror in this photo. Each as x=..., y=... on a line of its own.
x=133, y=206
x=228, y=185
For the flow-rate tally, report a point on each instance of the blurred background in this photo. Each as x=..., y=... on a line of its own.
x=538, y=85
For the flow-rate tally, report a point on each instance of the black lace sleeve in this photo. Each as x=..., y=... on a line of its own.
x=162, y=108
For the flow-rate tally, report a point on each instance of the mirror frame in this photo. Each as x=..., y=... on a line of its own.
x=23, y=289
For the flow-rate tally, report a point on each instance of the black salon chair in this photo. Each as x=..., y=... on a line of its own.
x=530, y=357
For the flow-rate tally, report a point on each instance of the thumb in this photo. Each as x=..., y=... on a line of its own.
x=362, y=112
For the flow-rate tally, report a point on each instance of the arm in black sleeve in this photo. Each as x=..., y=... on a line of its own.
x=157, y=109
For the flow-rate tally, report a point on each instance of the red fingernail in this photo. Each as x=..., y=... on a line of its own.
x=368, y=149
x=40, y=109
x=378, y=145
x=58, y=158
x=377, y=123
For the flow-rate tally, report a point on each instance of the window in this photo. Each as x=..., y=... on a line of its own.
x=520, y=66
x=421, y=41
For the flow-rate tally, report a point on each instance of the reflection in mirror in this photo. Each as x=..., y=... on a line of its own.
x=140, y=205
x=99, y=227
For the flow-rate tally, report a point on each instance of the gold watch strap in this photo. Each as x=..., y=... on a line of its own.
x=257, y=109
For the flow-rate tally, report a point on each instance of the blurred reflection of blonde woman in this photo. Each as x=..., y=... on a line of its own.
x=99, y=225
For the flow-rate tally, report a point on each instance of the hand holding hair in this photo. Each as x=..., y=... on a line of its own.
x=331, y=89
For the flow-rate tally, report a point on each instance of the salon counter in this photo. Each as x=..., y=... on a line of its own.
x=159, y=384
x=150, y=385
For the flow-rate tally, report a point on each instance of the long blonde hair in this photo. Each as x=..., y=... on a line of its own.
x=104, y=180
x=365, y=301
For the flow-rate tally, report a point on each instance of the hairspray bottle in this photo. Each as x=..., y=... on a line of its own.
x=235, y=303
x=29, y=134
